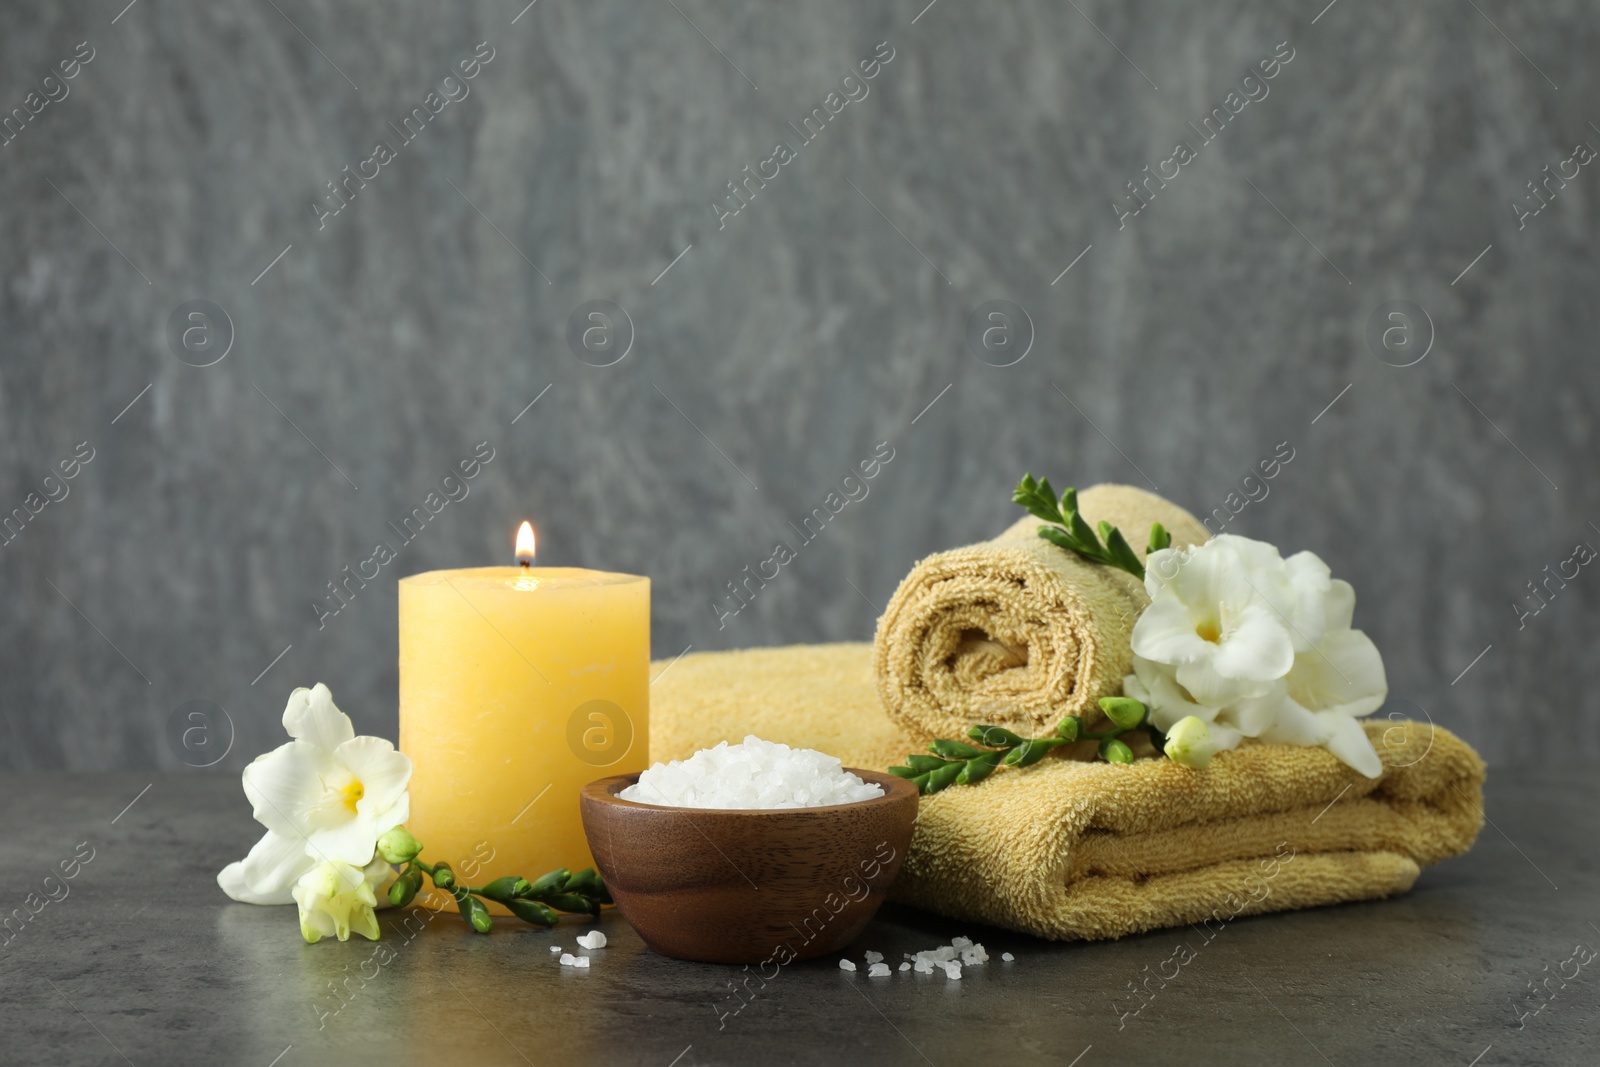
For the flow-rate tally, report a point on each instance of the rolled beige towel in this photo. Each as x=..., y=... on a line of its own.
x=1016, y=631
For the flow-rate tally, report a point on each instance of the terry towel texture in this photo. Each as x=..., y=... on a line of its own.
x=1069, y=850
x=1016, y=631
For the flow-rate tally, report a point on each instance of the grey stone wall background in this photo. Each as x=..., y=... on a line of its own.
x=371, y=355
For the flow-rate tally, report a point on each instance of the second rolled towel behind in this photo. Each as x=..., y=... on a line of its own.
x=1016, y=631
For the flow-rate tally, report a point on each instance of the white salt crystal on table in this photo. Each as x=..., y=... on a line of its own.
x=878, y=970
x=568, y=959
x=1008, y=957
x=846, y=965
x=555, y=948
x=905, y=966
x=754, y=774
x=962, y=951
x=874, y=957
x=581, y=961
x=592, y=940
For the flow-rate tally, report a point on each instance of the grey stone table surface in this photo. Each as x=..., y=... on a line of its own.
x=139, y=958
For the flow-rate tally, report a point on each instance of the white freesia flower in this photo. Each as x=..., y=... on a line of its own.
x=324, y=797
x=1216, y=616
x=336, y=898
x=1256, y=646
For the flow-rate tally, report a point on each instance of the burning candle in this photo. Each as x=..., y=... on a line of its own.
x=518, y=685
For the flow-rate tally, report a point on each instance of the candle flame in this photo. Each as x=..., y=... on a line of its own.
x=525, y=544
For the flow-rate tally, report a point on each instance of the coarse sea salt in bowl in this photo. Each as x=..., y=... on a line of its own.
x=751, y=853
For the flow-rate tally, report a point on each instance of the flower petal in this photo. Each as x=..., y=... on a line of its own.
x=1254, y=716
x=311, y=716
x=286, y=785
x=1257, y=647
x=1340, y=607
x=1294, y=725
x=352, y=840
x=1213, y=690
x=275, y=863
x=1310, y=581
x=1154, y=685
x=1348, y=741
x=1165, y=632
x=383, y=772
x=1224, y=736
x=1344, y=673
x=268, y=873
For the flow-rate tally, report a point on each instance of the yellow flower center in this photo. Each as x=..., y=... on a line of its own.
x=1210, y=630
x=352, y=793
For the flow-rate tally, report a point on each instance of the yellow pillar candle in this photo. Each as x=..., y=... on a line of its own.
x=518, y=685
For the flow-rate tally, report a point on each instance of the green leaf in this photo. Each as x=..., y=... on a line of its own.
x=942, y=777
x=1080, y=530
x=1061, y=539
x=954, y=749
x=1115, y=751
x=531, y=911
x=1037, y=498
x=1159, y=538
x=1122, y=554
x=976, y=770
x=994, y=736
x=1125, y=713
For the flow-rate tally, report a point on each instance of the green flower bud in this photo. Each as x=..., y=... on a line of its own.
x=502, y=890
x=953, y=749
x=1069, y=728
x=1159, y=537
x=1124, y=712
x=586, y=882
x=1030, y=752
x=994, y=736
x=404, y=889
x=942, y=777
x=443, y=876
x=902, y=772
x=548, y=883
x=573, y=903
x=398, y=846
x=924, y=764
x=472, y=910
x=1189, y=742
x=1115, y=751
x=977, y=769
x=531, y=911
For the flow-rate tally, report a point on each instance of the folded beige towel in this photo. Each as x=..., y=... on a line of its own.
x=1018, y=632
x=1069, y=850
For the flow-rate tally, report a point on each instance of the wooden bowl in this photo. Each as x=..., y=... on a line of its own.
x=749, y=885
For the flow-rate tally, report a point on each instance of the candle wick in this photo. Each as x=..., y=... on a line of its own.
x=526, y=564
